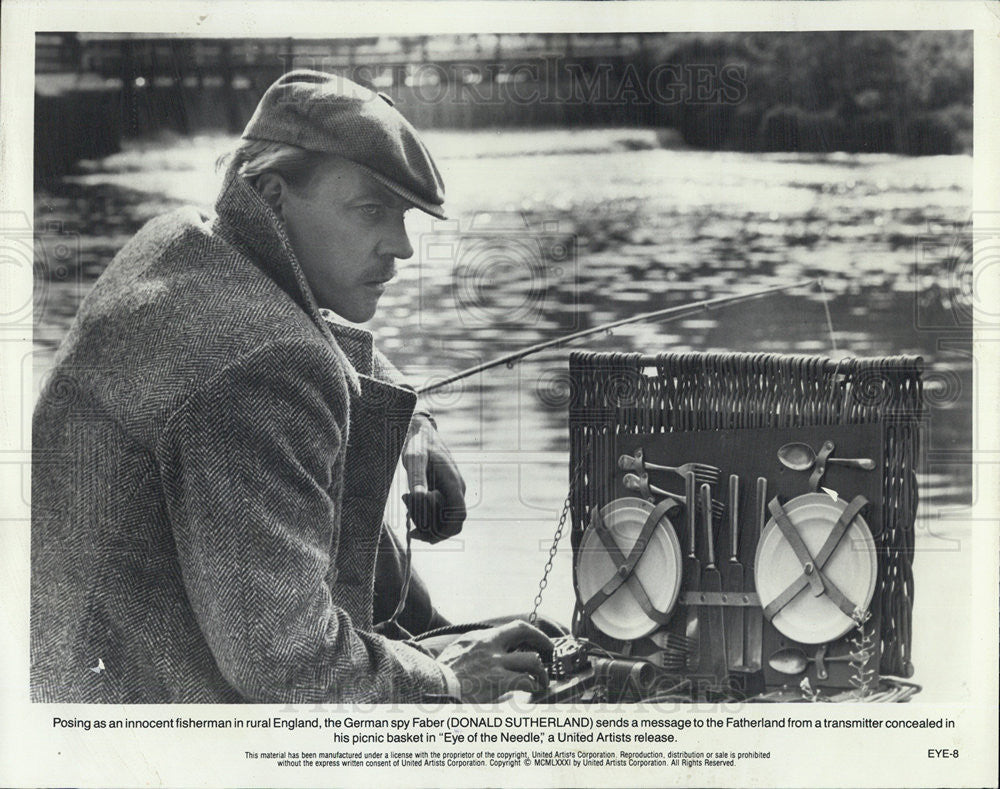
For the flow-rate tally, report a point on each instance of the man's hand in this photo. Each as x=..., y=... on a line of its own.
x=489, y=663
x=436, y=500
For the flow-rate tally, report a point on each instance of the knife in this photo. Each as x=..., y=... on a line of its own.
x=755, y=616
x=713, y=632
x=692, y=575
x=732, y=576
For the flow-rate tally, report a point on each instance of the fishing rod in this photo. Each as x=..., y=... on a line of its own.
x=658, y=315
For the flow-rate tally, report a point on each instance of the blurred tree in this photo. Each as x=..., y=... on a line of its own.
x=903, y=91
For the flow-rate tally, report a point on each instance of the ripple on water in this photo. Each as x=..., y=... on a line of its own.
x=648, y=229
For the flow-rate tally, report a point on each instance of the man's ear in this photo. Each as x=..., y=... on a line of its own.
x=273, y=189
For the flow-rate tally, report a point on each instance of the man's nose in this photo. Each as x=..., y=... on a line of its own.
x=396, y=241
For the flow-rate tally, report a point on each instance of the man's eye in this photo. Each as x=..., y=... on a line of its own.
x=372, y=209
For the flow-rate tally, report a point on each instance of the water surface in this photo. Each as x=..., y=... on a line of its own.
x=552, y=232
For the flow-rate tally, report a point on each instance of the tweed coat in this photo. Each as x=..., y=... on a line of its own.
x=211, y=460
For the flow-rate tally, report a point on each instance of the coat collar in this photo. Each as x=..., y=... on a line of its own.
x=357, y=343
x=245, y=220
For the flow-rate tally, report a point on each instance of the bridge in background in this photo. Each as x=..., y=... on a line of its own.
x=94, y=90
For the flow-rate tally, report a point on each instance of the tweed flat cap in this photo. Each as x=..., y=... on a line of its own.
x=328, y=113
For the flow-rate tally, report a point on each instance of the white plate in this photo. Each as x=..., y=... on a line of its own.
x=658, y=569
x=853, y=567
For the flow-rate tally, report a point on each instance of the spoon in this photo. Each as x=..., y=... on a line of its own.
x=641, y=486
x=800, y=457
x=795, y=661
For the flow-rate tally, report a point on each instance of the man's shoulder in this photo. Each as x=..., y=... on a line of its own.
x=178, y=305
x=180, y=284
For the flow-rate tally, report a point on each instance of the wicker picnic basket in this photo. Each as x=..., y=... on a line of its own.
x=733, y=410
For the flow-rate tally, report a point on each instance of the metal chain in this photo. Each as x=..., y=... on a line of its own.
x=533, y=616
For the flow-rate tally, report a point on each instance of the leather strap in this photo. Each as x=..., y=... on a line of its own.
x=819, y=469
x=725, y=599
x=791, y=534
x=840, y=529
x=627, y=564
x=826, y=551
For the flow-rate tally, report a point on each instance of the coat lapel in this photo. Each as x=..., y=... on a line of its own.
x=245, y=220
x=379, y=410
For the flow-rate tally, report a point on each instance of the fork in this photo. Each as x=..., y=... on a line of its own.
x=703, y=472
x=641, y=486
x=674, y=649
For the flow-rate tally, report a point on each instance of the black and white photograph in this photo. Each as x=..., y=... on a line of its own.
x=474, y=403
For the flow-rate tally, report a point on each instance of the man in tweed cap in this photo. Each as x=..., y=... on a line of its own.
x=214, y=449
